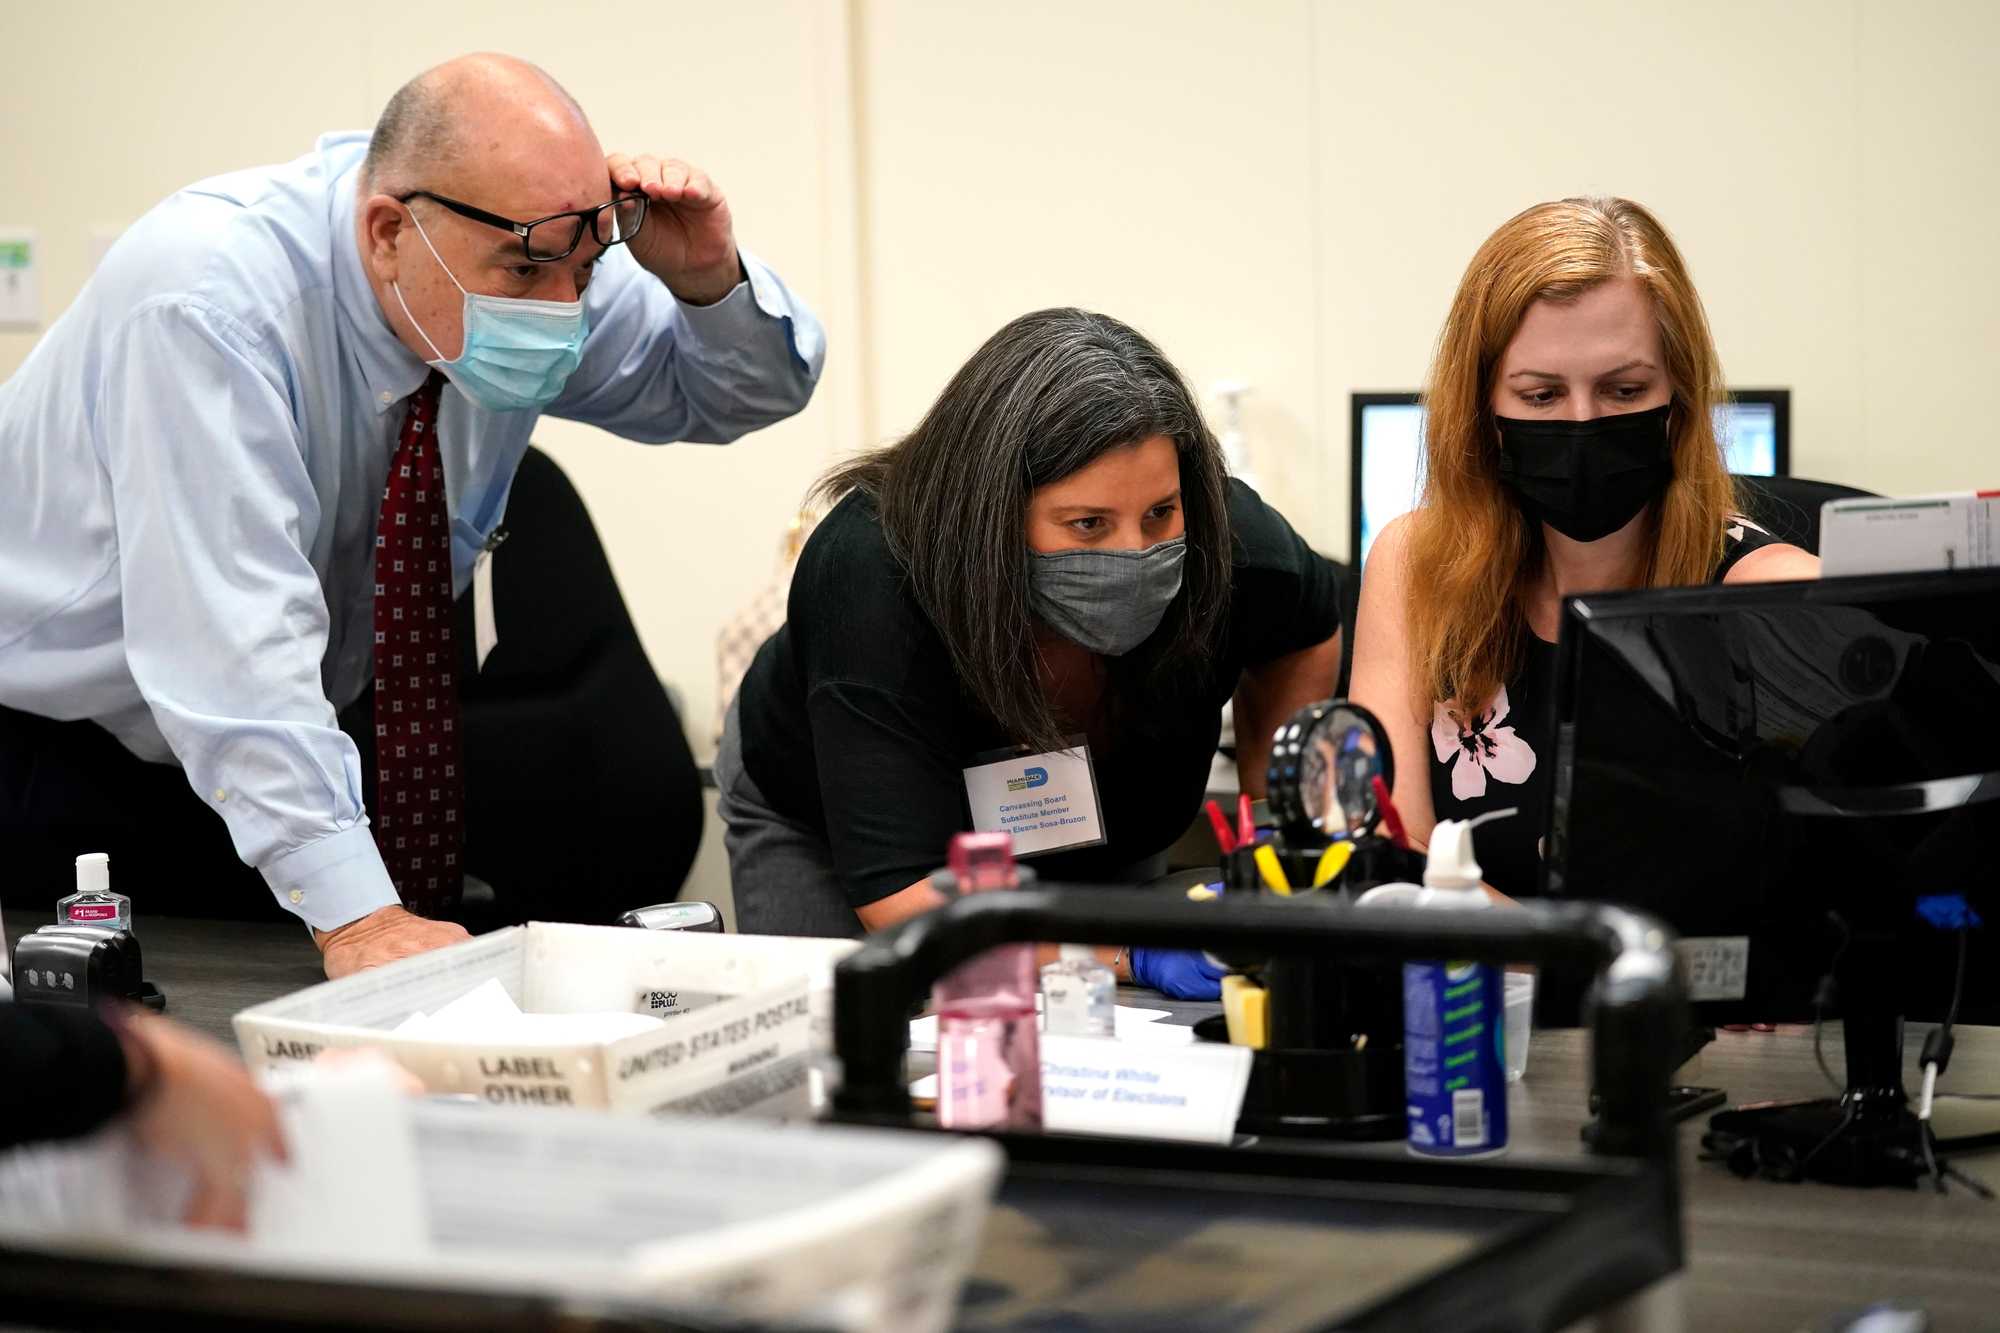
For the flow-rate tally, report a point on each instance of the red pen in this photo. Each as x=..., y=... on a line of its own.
x=1246, y=827
x=1220, y=823
x=1390, y=815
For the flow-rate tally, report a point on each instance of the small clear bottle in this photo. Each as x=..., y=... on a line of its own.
x=93, y=903
x=1079, y=995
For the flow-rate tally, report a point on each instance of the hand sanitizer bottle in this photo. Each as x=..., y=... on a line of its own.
x=93, y=903
x=989, y=1045
x=1079, y=995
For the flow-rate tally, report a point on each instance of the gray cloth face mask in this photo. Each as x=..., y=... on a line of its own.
x=1108, y=601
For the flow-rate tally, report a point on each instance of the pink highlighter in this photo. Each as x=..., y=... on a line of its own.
x=989, y=1042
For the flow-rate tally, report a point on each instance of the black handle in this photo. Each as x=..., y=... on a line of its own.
x=1636, y=1009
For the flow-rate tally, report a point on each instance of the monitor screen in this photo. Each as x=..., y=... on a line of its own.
x=1388, y=463
x=1387, y=443
x=1751, y=762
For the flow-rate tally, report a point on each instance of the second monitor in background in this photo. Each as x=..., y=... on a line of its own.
x=1386, y=452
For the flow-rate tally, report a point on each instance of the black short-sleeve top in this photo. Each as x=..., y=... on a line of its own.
x=1502, y=757
x=853, y=721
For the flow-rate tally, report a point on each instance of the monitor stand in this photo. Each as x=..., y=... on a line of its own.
x=1869, y=1135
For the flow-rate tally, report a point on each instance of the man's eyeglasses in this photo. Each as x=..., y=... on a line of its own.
x=557, y=235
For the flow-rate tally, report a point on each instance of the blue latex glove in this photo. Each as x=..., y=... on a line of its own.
x=1181, y=974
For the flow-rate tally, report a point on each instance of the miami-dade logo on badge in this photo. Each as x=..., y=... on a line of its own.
x=1032, y=778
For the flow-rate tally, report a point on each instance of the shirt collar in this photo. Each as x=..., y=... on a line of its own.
x=388, y=368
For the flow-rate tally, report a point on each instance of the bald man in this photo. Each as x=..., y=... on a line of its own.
x=245, y=474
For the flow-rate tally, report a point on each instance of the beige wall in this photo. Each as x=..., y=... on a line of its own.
x=1286, y=192
x=1148, y=158
x=1278, y=190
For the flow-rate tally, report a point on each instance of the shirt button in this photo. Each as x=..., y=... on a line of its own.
x=220, y=796
x=298, y=896
x=385, y=397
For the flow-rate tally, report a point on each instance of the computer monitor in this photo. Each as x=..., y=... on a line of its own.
x=1800, y=778
x=1386, y=452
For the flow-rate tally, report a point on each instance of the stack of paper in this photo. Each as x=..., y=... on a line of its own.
x=488, y=1013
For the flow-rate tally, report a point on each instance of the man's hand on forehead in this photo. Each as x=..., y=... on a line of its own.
x=688, y=240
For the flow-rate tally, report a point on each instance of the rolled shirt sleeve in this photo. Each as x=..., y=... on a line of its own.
x=657, y=371
x=225, y=621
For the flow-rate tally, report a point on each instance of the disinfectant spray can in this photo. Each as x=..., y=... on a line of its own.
x=1454, y=1066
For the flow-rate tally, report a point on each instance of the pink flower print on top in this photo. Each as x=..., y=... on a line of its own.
x=1479, y=748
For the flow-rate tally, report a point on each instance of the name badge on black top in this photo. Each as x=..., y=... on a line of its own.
x=1048, y=802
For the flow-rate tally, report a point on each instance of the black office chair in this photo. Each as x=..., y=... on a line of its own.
x=583, y=799
x=1788, y=507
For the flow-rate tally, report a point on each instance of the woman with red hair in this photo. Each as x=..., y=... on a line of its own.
x=1570, y=447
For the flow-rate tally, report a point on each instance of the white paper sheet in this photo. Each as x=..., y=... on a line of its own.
x=350, y=1183
x=1092, y=1086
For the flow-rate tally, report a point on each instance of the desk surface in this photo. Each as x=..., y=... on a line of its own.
x=1761, y=1255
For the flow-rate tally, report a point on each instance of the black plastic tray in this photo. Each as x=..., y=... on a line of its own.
x=1123, y=1235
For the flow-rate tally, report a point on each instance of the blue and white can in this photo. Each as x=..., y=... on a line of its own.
x=1454, y=1058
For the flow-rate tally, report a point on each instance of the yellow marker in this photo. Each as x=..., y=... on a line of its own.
x=1332, y=863
x=1266, y=857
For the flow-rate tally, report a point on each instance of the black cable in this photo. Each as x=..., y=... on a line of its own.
x=1958, y=982
x=1976, y=1186
x=1936, y=1056
x=1846, y=1119
x=1937, y=1053
x=1832, y=1082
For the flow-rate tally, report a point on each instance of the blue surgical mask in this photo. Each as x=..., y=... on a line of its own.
x=517, y=354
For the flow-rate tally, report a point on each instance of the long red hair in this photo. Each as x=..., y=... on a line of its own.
x=1471, y=554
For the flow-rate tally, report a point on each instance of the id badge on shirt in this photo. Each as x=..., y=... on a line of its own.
x=1047, y=801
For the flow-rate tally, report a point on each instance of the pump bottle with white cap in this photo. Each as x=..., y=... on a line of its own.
x=1454, y=1066
x=94, y=903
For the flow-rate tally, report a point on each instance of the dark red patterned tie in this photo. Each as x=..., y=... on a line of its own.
x=419, y=793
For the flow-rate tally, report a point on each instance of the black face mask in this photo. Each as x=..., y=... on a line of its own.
x=1587, y=479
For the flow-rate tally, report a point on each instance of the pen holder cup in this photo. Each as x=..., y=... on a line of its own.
x=1334, y=1063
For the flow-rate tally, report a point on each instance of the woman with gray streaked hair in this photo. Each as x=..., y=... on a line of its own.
x=1054, y=553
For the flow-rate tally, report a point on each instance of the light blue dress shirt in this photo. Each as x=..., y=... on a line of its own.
x=191, y=466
